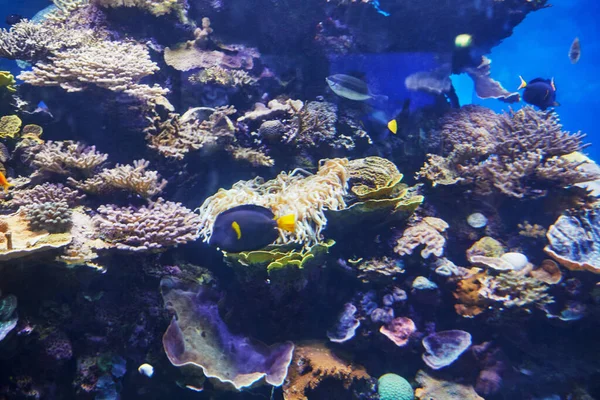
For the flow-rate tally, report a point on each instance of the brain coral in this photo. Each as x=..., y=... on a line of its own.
x=394, y=387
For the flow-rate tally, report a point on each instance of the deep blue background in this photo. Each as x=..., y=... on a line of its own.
x=538, y=48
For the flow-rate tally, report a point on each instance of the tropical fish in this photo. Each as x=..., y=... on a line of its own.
x=401, y=117
x=351, y=88
x=13, y=19
x=539, y=92
x=4, y=183
x=248, y=227
x=575, y=51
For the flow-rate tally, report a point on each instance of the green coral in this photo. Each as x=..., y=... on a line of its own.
x=10, y=125
x=394, y=387
x=278, y=258
x=7, y=80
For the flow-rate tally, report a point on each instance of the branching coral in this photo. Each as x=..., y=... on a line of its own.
x=517, y=154
x=198, y=128
x=155, y=7
x=133, y=178
x=161, y=224
x=305, y=197
x=45, y=193
x=64, y=157
x=115, y=66
x=223, y=77
x=427, y=233
x=54, y=217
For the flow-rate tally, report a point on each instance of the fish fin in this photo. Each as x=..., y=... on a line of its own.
x=523, y=83
x=287, y=222
x=379, y=97
x=393, y=126
x=547, y=94
x=552, y=84
x=556, y=104
x=237, y=229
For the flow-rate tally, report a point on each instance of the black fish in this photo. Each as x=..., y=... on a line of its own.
x=248, y=227
x=13, y=19
x=539, y=92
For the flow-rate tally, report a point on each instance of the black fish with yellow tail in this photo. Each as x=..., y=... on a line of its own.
x=539, y=92
x=248, y=227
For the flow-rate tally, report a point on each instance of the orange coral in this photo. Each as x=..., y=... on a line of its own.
x=313, y=363
x=470, y=303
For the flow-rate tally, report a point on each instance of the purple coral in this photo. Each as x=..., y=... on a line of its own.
x=346, y=325
x=443, y=348
x=47, y=193
x=198, y=337
x=161, y=224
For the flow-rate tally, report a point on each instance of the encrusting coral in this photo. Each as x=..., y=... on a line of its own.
x=427, y=233
x=314, y=363
x=517, y=154
x=575, y=241
x=155, y=227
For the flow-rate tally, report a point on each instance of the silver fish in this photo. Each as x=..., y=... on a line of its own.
x=351, y=88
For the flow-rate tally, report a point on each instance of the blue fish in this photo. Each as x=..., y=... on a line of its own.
x=539, y=92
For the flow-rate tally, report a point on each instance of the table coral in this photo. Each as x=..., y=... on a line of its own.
x=438, y=389
x=445, y=347
x=67, y=156
x=198, y=337
x=132, y=178
x=427, y=233
x=159, y=225
x=575, y=241
x=312, y=364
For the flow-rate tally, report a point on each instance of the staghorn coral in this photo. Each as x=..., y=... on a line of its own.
x=574, y=241
x=305, y=197
x=64, y=157
x=517, y=154
x=313, y=125
x=198, y=128
x=438, y=389
x=159, y=225
x=45, y=193
x=427, y=233
x=312, y=364
x=54, y=217
x=132, y=178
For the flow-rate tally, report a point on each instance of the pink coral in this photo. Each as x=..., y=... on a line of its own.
x=399, y=330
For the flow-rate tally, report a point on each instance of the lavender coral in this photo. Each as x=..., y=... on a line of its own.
x=45, y=193
x=160, y=225
x=443, y=348
x=198, y=337
x=64, y=157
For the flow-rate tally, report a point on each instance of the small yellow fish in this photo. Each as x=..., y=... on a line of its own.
x=393, y=126
x=4, y=182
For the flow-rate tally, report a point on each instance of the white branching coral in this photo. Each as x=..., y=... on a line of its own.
x=64, y=157
x=307, y=197
x=116, y=66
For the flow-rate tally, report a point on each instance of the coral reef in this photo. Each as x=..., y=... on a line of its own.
x=47, y=193
x=517, y=154
x=67, y=156
x=399, y=330
x=159, y=225
x=54, y=217
x=394, y=387
x=443, y=348
x=346, y=326
x=434, y=388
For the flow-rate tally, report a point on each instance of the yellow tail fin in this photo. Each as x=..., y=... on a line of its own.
x=393, y=126
x=287, y=222
x=523, y=83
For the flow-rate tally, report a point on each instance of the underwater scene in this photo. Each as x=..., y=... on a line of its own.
x=299, y=200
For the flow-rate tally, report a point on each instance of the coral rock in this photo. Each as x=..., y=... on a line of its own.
x=399, y=330
x=438, y=389
x=426, y=233
x=443, y=348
